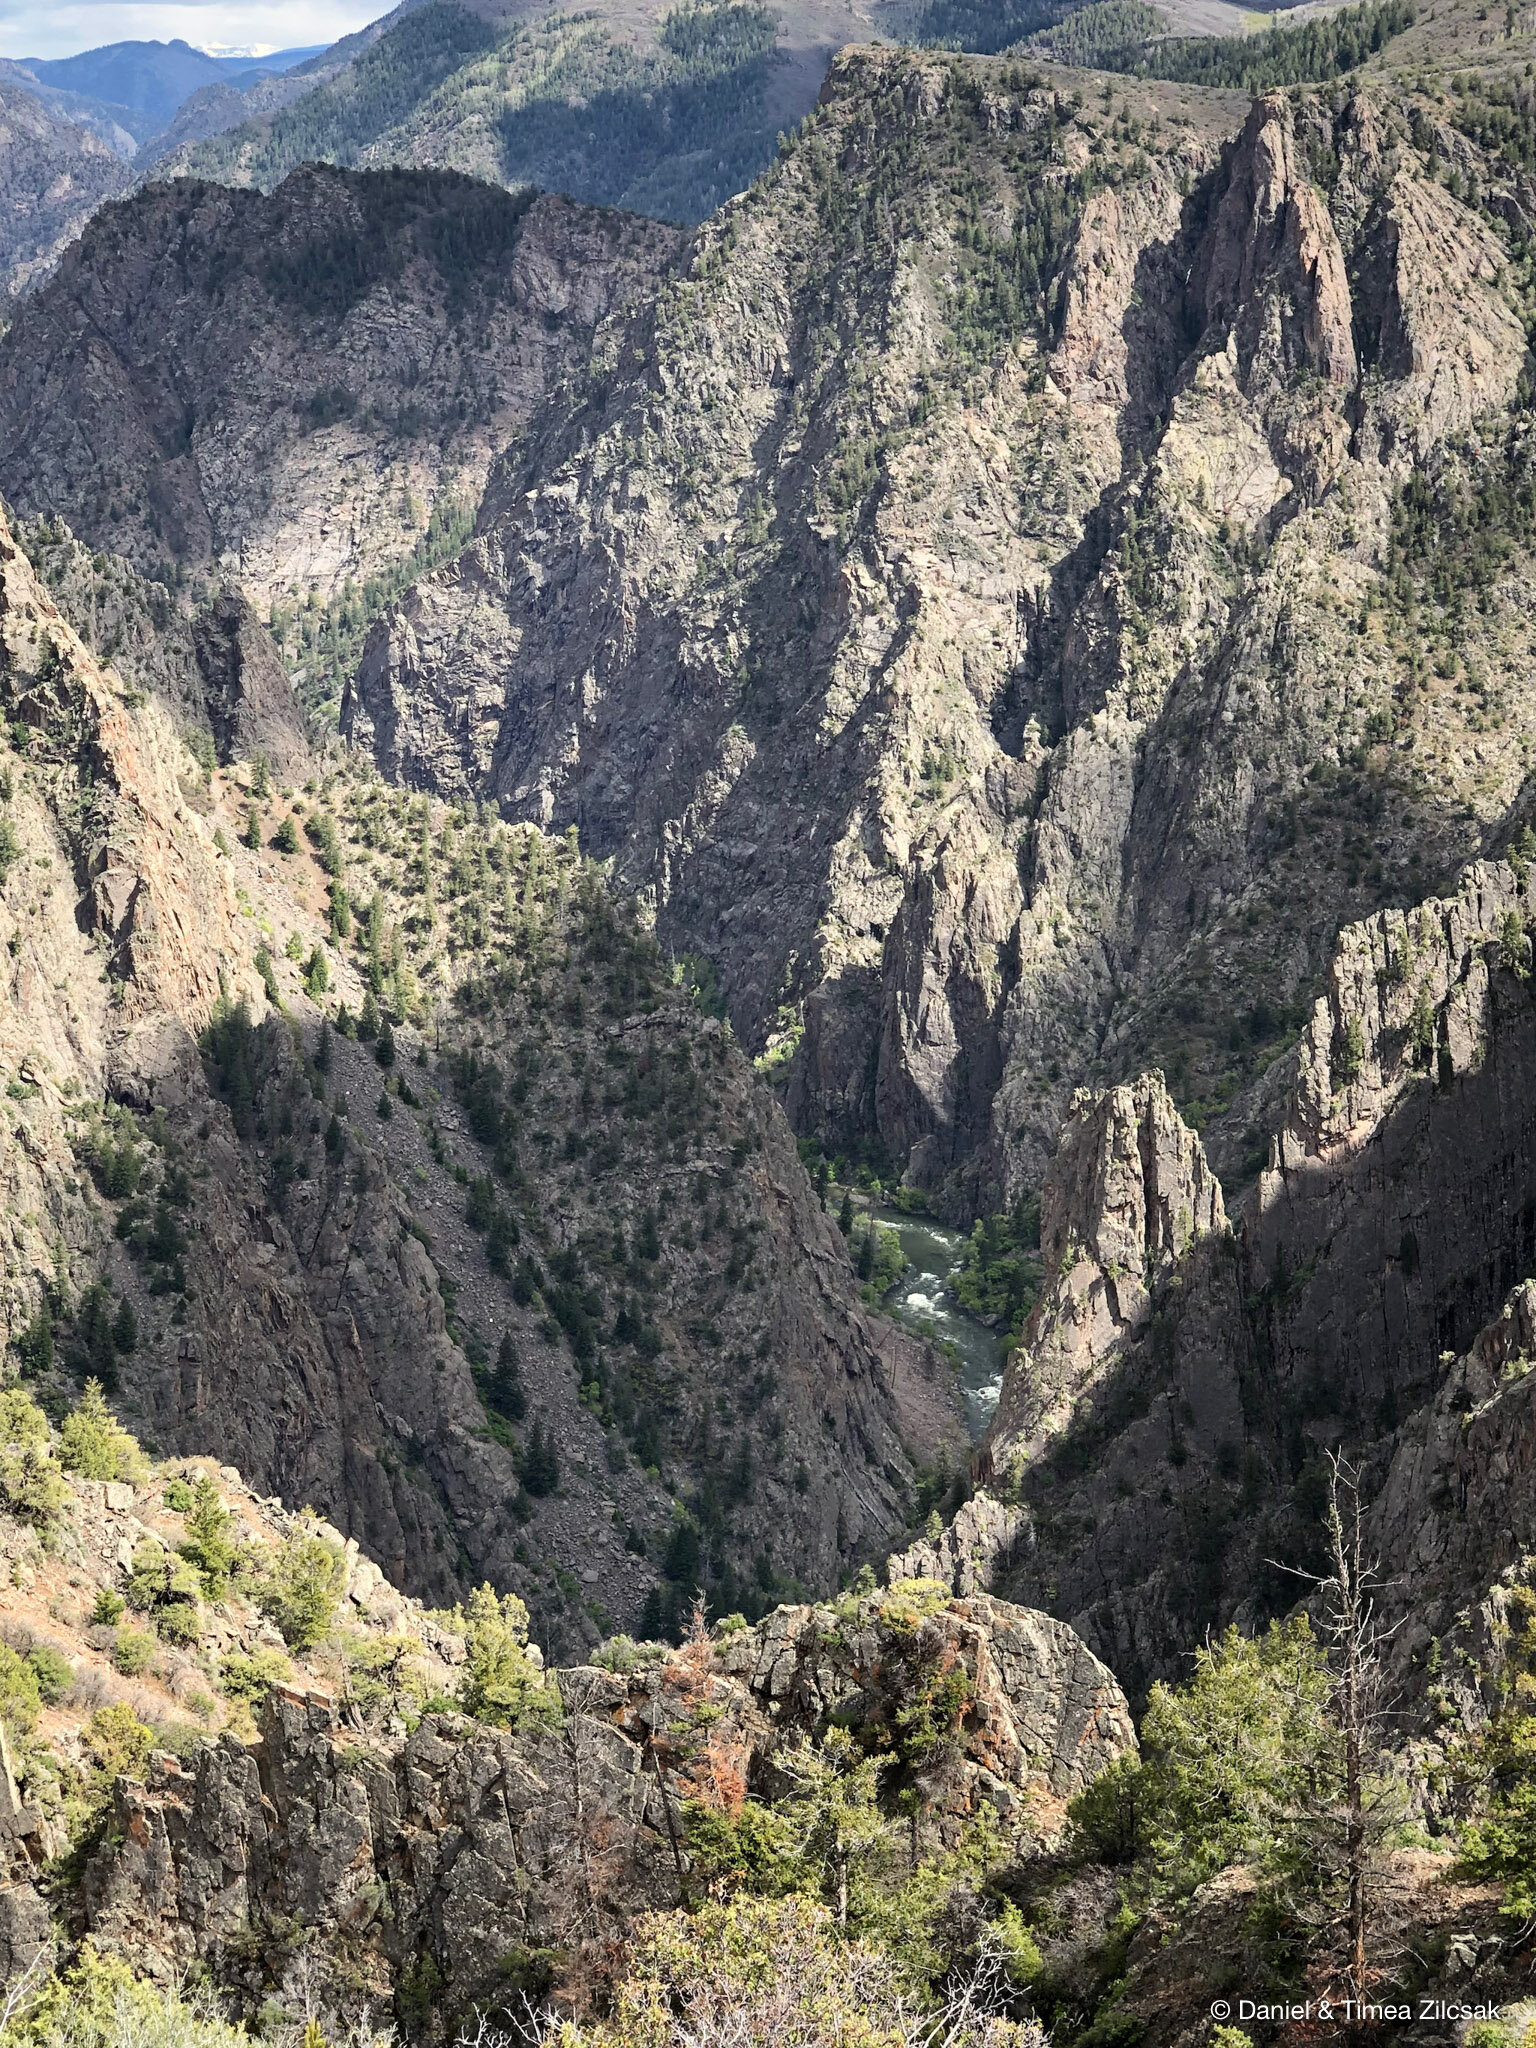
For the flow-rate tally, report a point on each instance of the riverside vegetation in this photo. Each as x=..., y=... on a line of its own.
x=998, y=665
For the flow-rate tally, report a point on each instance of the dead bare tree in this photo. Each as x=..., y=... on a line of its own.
x=1349, y=1823
x=24, y=1990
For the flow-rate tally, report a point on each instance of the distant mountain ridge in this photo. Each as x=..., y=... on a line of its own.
x=666, y=110
x=54, y=173
x=140, y=85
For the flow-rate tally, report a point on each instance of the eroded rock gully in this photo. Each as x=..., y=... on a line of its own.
x=970, y=685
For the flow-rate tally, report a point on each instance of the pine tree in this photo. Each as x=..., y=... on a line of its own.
x=210, y=1541
x=505, y=1390
x=541, y=1463
x=125, y=1328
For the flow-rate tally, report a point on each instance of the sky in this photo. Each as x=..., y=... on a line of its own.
x=29, y=28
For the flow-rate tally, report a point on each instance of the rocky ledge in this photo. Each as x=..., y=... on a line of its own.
x=453, y=1856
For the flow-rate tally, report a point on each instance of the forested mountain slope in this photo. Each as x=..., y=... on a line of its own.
x=666, y=110
x=528, y=1283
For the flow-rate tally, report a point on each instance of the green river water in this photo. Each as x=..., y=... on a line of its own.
x=921, y=1299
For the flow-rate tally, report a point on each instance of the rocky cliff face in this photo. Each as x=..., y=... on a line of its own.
x=1361, y=1302
x=1452, y=1521
x=216, y=670
x=53, y=175
x=948, y=599
x=450, y=1859
x=1128, y=1194
x=288, y=385
x=328, y=1260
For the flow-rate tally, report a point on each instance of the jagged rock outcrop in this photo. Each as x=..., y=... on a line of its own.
x=251, y=704
x=287, y=386
x=450, y=1856
x=1376, y=1251
x=1397, y=1209
x=981, y=1540
x=1128, y=1195
x=1024, y=737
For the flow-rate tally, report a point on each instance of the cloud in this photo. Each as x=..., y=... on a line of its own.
x=27, y=30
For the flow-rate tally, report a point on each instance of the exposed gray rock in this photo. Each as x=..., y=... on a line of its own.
x=1126, y=1197
x=1362, y=1302
x=250, y=701
x=982, y=1540
x=443, y=1858
x=989, y=748
x=285, y=386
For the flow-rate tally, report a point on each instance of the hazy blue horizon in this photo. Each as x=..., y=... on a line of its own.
x=219, y=28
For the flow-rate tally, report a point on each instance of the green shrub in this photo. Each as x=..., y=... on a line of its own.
x=753, y=1849
x=99, y=2003
x=93, y=1443
x=1110, y=1819
x=20, y=1694
x=108, y=1610
x=133, y=1652
x=178, y=1622
x=248, y=1679
x=1243, y=1745
x=119, y=1742
x=166, y=1588
x=501, y=1683
x=54, y=1673
x=1114, y=2029
x=380, y=1673
x=301, y=1587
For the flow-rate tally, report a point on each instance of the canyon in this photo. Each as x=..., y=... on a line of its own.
x=560, y=770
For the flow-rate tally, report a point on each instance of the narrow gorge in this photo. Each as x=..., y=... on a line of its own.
x=767, y=1141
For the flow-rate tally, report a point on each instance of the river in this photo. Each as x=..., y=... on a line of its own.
x=921, y=1298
